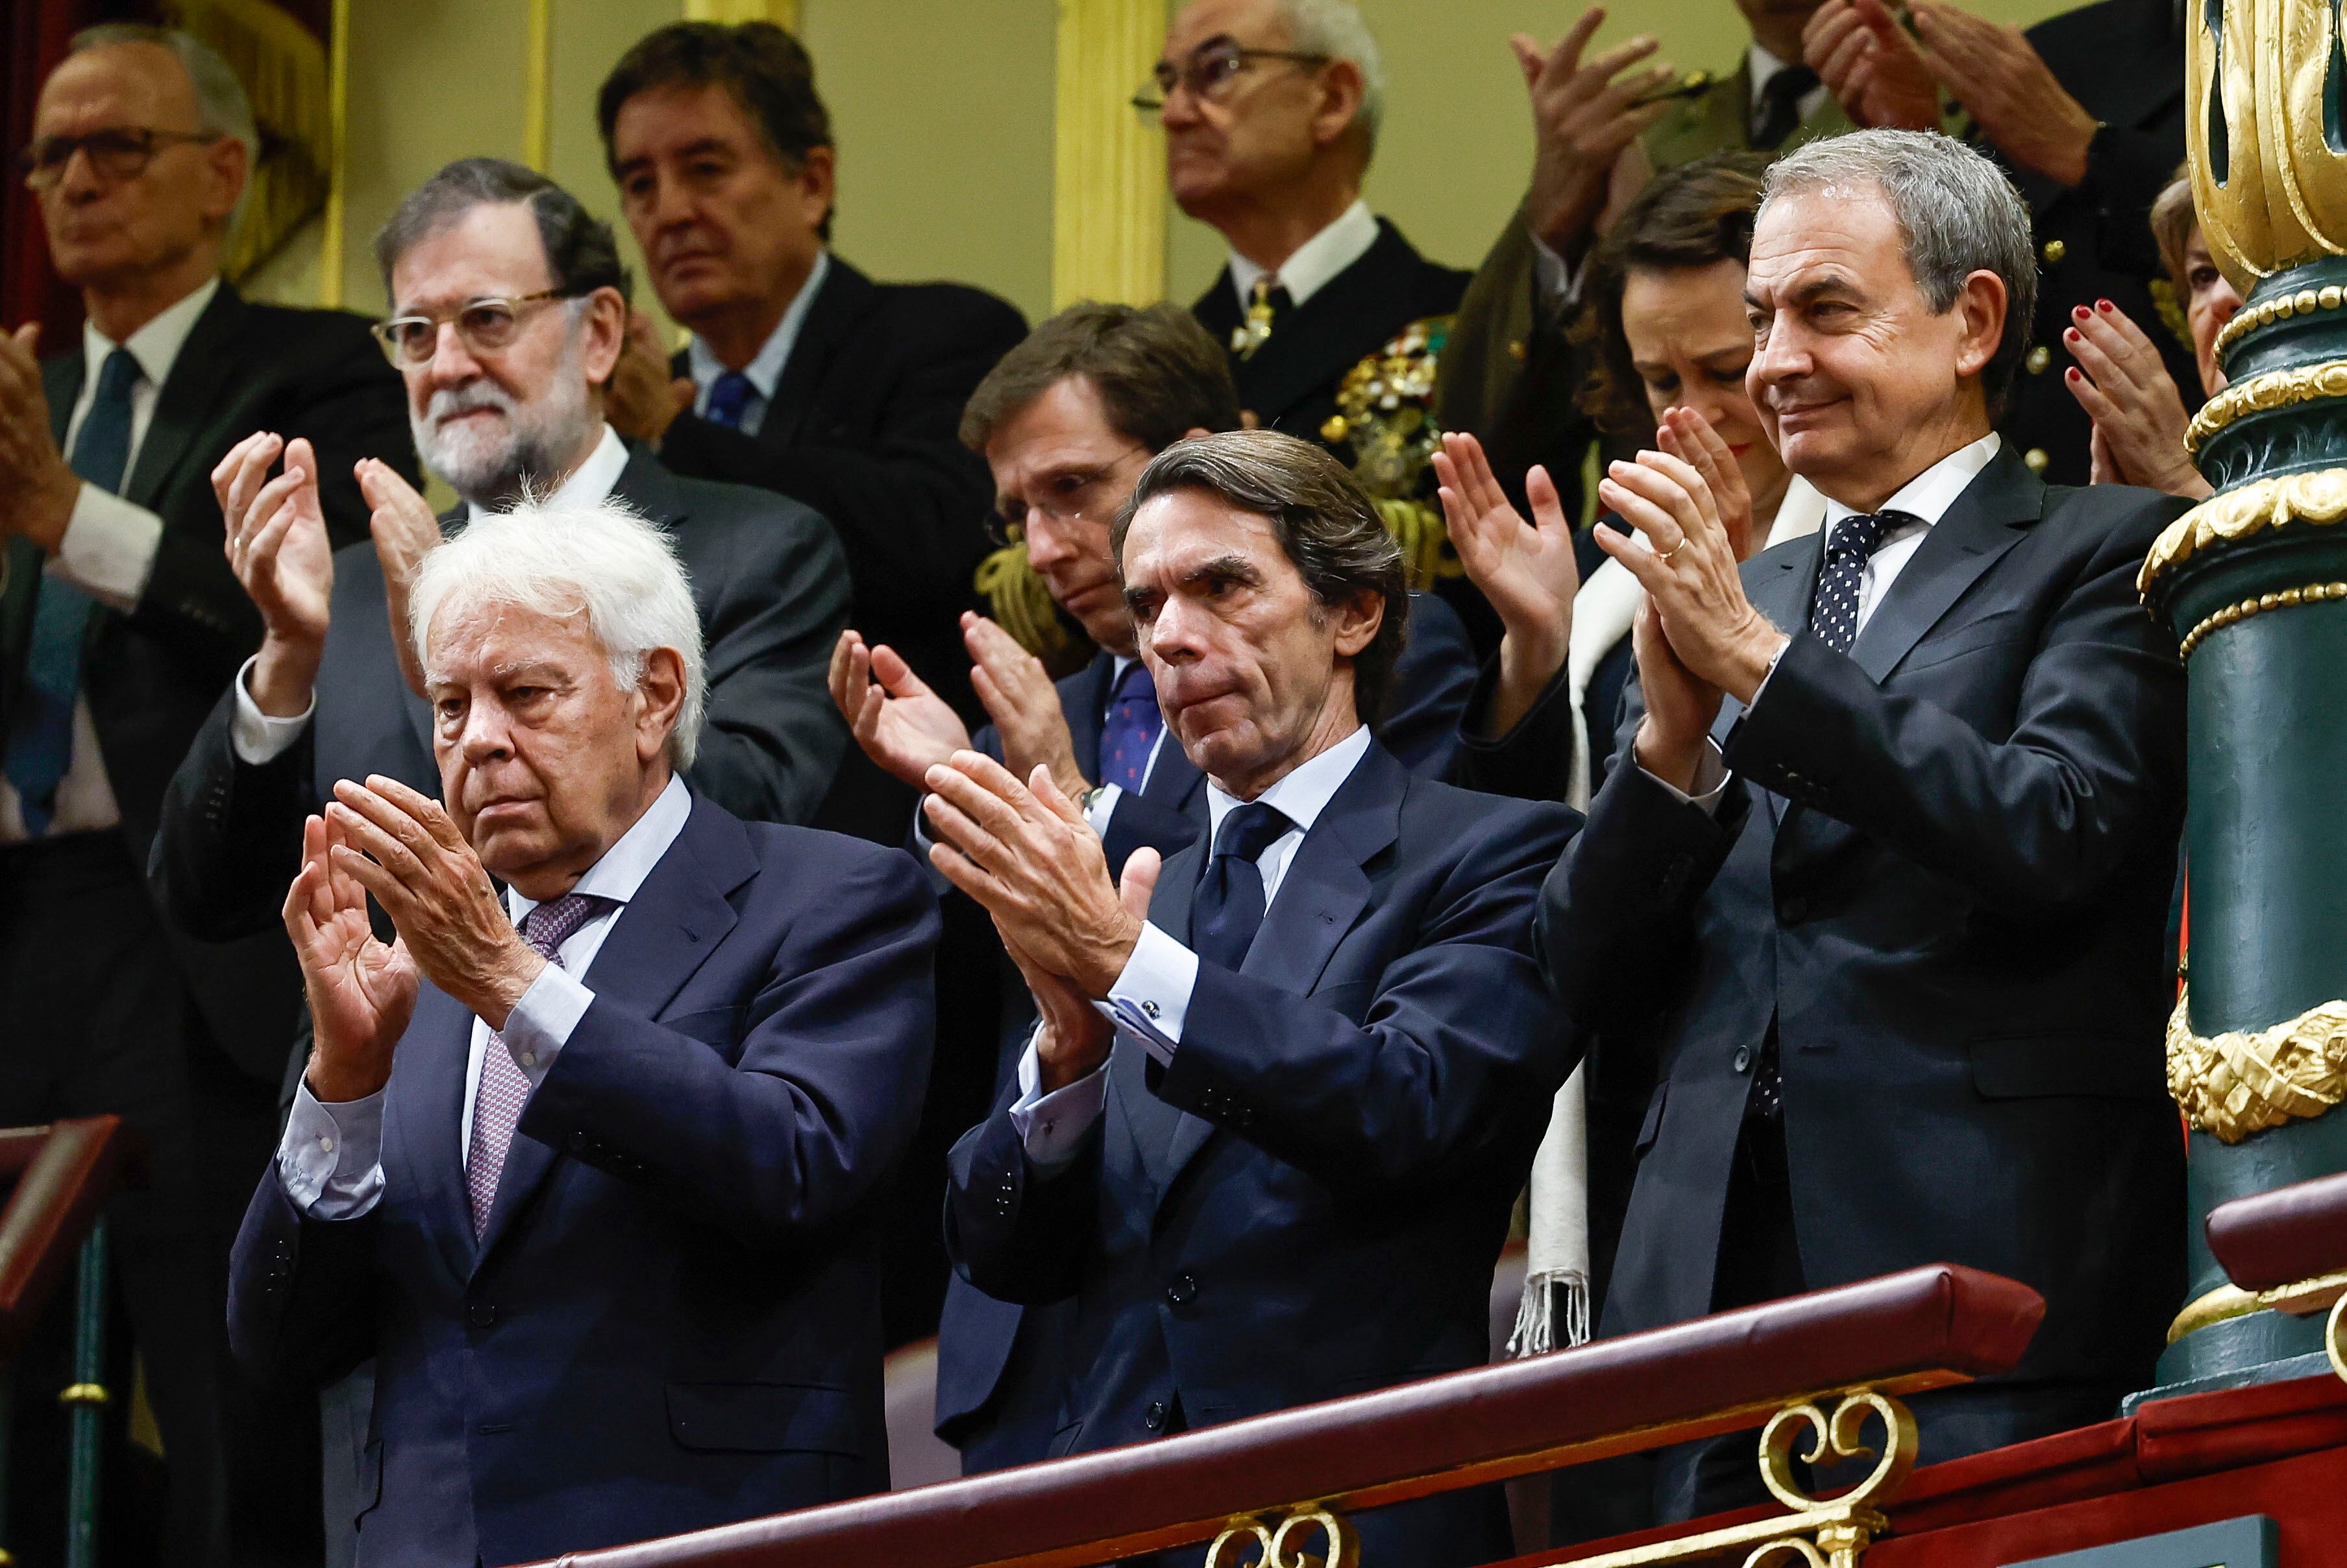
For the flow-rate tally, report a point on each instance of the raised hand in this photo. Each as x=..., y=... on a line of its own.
x=900, y=723
x=361, y=992
x=2124, y=386
x=2012, y=94
x=404, y=532
x=1583, y=118
x=275, y=539
x=1688, y=437
x=643, y=396
x=1019, y=696
x=1527, y=571
x=1871, y=66
x=33, y=474
x=1691, y=571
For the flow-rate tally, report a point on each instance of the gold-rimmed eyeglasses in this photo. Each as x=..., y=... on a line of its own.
x=483, y=327
x=1068, y=495
x=1208, y=71
x=117, y=152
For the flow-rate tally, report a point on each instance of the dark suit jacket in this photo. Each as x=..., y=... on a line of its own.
x=1308, y=1201
x=673, y=1318
x=2124, y=61
x=1941, y=873
x=152, y=675
x=766, y=579
x=982, y=1347
x=863, y=428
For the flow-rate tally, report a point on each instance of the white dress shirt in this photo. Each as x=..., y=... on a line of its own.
x=765, y=370
x=259, y=740
x=331, y=1159
x=107, y=550
x=1316, y=262
x=1152, y=996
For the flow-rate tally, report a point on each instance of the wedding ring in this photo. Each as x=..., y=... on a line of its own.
x=1665, y=557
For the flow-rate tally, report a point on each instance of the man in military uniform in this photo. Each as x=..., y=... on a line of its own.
x=2086, y=111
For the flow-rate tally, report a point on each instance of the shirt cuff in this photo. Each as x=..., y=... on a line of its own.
x=1104, y=807
x=1051, y=1127
x=108, y=548
x=1557, y=280
x=540, y=1023
x=258, y=738
x=1151, y=995
x=1711, y=776
x=331, y=1159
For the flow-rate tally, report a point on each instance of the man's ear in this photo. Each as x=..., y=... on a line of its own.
x=1357, y=619
x=819, y=179
x=1983, y=302
x=661, y=689
x=229, y=166
x=1195, y=430
x=602, y=334
x=1341, y=90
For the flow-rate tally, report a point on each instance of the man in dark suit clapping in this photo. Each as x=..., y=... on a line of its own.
x=1306, y=1058
x=119, y=624
x=1881, y=887
x=804, y=376
x=586, y=1164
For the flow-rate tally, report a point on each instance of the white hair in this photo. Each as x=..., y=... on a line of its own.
x=1335, y=29
x=560, y=559
x=222, y=107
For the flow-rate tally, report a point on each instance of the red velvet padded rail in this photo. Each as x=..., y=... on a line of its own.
x=2282, y=1236
x=1925, y=1328
x=63, y=1172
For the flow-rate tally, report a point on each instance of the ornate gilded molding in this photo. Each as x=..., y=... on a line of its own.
x=1108, y=168
x=1274, y=1547
x=537, y=89
x=2263, y=395
x=2280, y=308
x=336, y=222
x=2235, y=1083
x=2232, y=614
x=2316, y=495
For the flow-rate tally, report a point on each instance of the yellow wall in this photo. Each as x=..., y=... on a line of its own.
x=943, y=111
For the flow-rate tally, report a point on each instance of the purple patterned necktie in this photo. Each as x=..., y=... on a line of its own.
x=1129, y=729
x=504, y=1088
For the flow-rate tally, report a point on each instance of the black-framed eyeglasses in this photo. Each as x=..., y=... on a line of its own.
x=117, y=152
x=1070, y=496
x=1208, y=71
x=484, y=326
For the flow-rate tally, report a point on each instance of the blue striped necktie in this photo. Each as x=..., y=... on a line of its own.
x=40, y=734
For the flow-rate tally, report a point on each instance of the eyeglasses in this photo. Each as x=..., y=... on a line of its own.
x=483, y=327
x=1070, y=496
x=1208, y=71
x=120, y=152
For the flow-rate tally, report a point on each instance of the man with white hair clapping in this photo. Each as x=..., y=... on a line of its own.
x=586, y=1167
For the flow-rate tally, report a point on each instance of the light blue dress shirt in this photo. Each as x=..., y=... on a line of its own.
x=765, y=371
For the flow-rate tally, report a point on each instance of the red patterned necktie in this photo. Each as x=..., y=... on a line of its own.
x=504, y=1088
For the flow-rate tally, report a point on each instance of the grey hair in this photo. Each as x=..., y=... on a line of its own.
x=1957, y=214
x=561, y=560
x=581, y=253
x=222, y=107
x=1336, y=28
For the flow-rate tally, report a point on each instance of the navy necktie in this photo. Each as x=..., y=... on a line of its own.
x=1129, y=729
x=1781, y=105
x=728, y=399
x=1850, y=545
x=1229, y=910
x=40, y=737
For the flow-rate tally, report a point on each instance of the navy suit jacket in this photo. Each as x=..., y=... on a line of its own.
x=673, y=1319
x=982, y=1347
x=1941, y=876
x=1347, y=1119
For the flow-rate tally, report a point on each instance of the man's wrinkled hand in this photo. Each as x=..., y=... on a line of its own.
x=404, y=849
x=901, y=725
x=1025, y=852
x=644, y=396
x=361, y=992
x=1019, y=696
x=404, y=532
x=1871, y=66
x=40, y=487
x=1997, y=74
x=275, y=535
x=1583, y=119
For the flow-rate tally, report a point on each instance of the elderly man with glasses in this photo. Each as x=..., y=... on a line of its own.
x=119, y=624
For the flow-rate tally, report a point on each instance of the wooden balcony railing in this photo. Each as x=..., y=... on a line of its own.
x=2287, y=1249
x=1810, y=1370
x=62, y=1174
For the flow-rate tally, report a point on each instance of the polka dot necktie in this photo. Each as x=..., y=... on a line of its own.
x=1230, y=905
x=504, y=1088
x=1129, y=729
x=1849, y=546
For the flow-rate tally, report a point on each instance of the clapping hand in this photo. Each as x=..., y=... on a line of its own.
x=404, y=532
x=2124, y=386
x=900, y=723
x=1019, y=696
x=1585, y=117
x=1871, y=66
x=1527, y=571
x=33, y=474
x=276, y=543
x=2014, y=96
x=361, y=992
x=644, y=396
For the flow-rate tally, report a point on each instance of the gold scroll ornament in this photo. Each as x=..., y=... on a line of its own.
x=2260, y=78
x=2317, y=496
x=2233, y=1085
